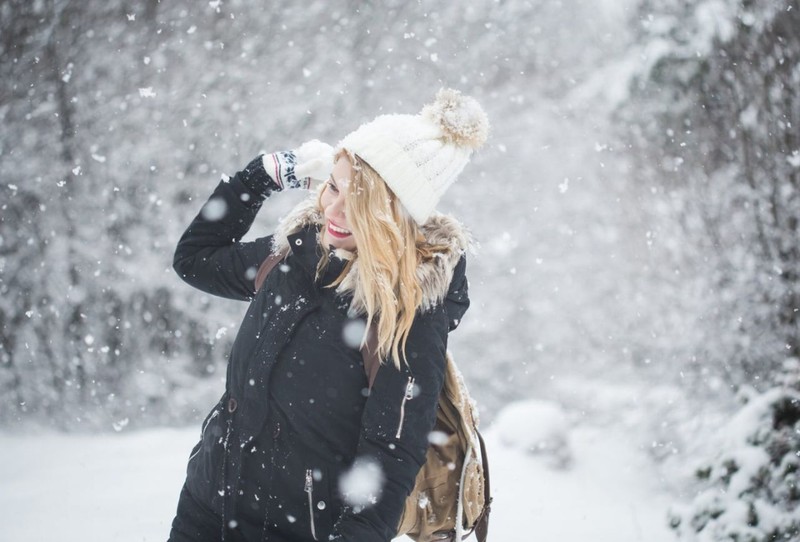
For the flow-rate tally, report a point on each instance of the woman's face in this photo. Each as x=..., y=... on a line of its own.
x=337, y=232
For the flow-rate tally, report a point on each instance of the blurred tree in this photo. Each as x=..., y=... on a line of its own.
x=714, y=126
x=75, y=323
x=121, y=117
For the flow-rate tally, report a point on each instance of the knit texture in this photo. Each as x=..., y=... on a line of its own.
x=420, y=156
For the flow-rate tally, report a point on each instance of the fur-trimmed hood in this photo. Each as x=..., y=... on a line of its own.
x=434, y=276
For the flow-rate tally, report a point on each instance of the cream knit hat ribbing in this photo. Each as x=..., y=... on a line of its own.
x=419, y=156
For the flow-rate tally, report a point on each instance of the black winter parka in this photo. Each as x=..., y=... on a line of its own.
x=297, y=412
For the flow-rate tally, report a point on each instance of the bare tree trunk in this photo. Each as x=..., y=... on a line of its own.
x=151, y=11
x=7, y=348
x=64, y=25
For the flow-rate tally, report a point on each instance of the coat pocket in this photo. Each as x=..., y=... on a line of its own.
x=204, y=469
x=308, y=488
x=301, y=504
x=322, y=507
x=213, y=414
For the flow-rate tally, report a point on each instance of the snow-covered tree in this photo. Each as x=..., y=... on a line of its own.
x=750, y=491
x=121, y=117
x=712, y=124
x=81, y=221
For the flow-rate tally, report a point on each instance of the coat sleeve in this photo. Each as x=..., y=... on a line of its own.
x=457, y=301
x=394, y=431
x=210, y=255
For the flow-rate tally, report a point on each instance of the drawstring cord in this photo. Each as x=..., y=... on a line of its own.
x=273, y=466
x=224, y=463
x=460, y=497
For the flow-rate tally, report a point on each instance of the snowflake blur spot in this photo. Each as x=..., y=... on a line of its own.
x=438, y=438
x=361, y=486
x=353, y=333
x=120, y=425
x=215, y=209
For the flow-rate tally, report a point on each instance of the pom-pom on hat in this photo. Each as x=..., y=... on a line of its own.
x=419, y=156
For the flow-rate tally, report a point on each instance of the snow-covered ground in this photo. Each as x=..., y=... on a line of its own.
x=610, y=493
x=124, y=487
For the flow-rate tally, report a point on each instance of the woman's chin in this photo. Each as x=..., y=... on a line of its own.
x=345, y=243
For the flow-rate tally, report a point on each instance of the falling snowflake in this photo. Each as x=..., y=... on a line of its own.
x=361, y=486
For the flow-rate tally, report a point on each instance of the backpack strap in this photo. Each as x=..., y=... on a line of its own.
x=267, y=266
x=482, y=523
x=369, y=353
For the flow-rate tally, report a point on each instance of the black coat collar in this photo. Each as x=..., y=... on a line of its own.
x=306, y=250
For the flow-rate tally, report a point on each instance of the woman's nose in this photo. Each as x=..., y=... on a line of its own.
x=337, y=207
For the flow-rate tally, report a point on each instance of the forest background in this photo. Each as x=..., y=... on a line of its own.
x=636, y=207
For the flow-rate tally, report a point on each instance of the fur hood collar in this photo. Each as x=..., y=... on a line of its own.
x=434, y=276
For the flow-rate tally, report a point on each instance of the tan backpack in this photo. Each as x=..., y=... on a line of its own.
x=451, y=496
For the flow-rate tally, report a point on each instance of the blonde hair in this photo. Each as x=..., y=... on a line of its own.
x=389, y=247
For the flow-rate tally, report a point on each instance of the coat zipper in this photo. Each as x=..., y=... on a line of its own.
x=407, y=397
x=309, y=488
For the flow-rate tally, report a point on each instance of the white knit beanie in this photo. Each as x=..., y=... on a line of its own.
x=419, y=156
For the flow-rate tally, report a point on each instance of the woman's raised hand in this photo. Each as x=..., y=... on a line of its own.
x=313, y=160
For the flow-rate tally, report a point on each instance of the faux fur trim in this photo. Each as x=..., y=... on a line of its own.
x=434, y=276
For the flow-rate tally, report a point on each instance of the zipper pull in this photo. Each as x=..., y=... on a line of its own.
x=407, y=397
x=409, y=389
x=309, y=488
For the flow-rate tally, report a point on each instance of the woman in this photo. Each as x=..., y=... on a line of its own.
x=303, y=444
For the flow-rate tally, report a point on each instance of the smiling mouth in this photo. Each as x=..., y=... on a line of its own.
x=339, y=233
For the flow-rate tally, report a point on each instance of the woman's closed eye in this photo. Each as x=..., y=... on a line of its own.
x=332, y=186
